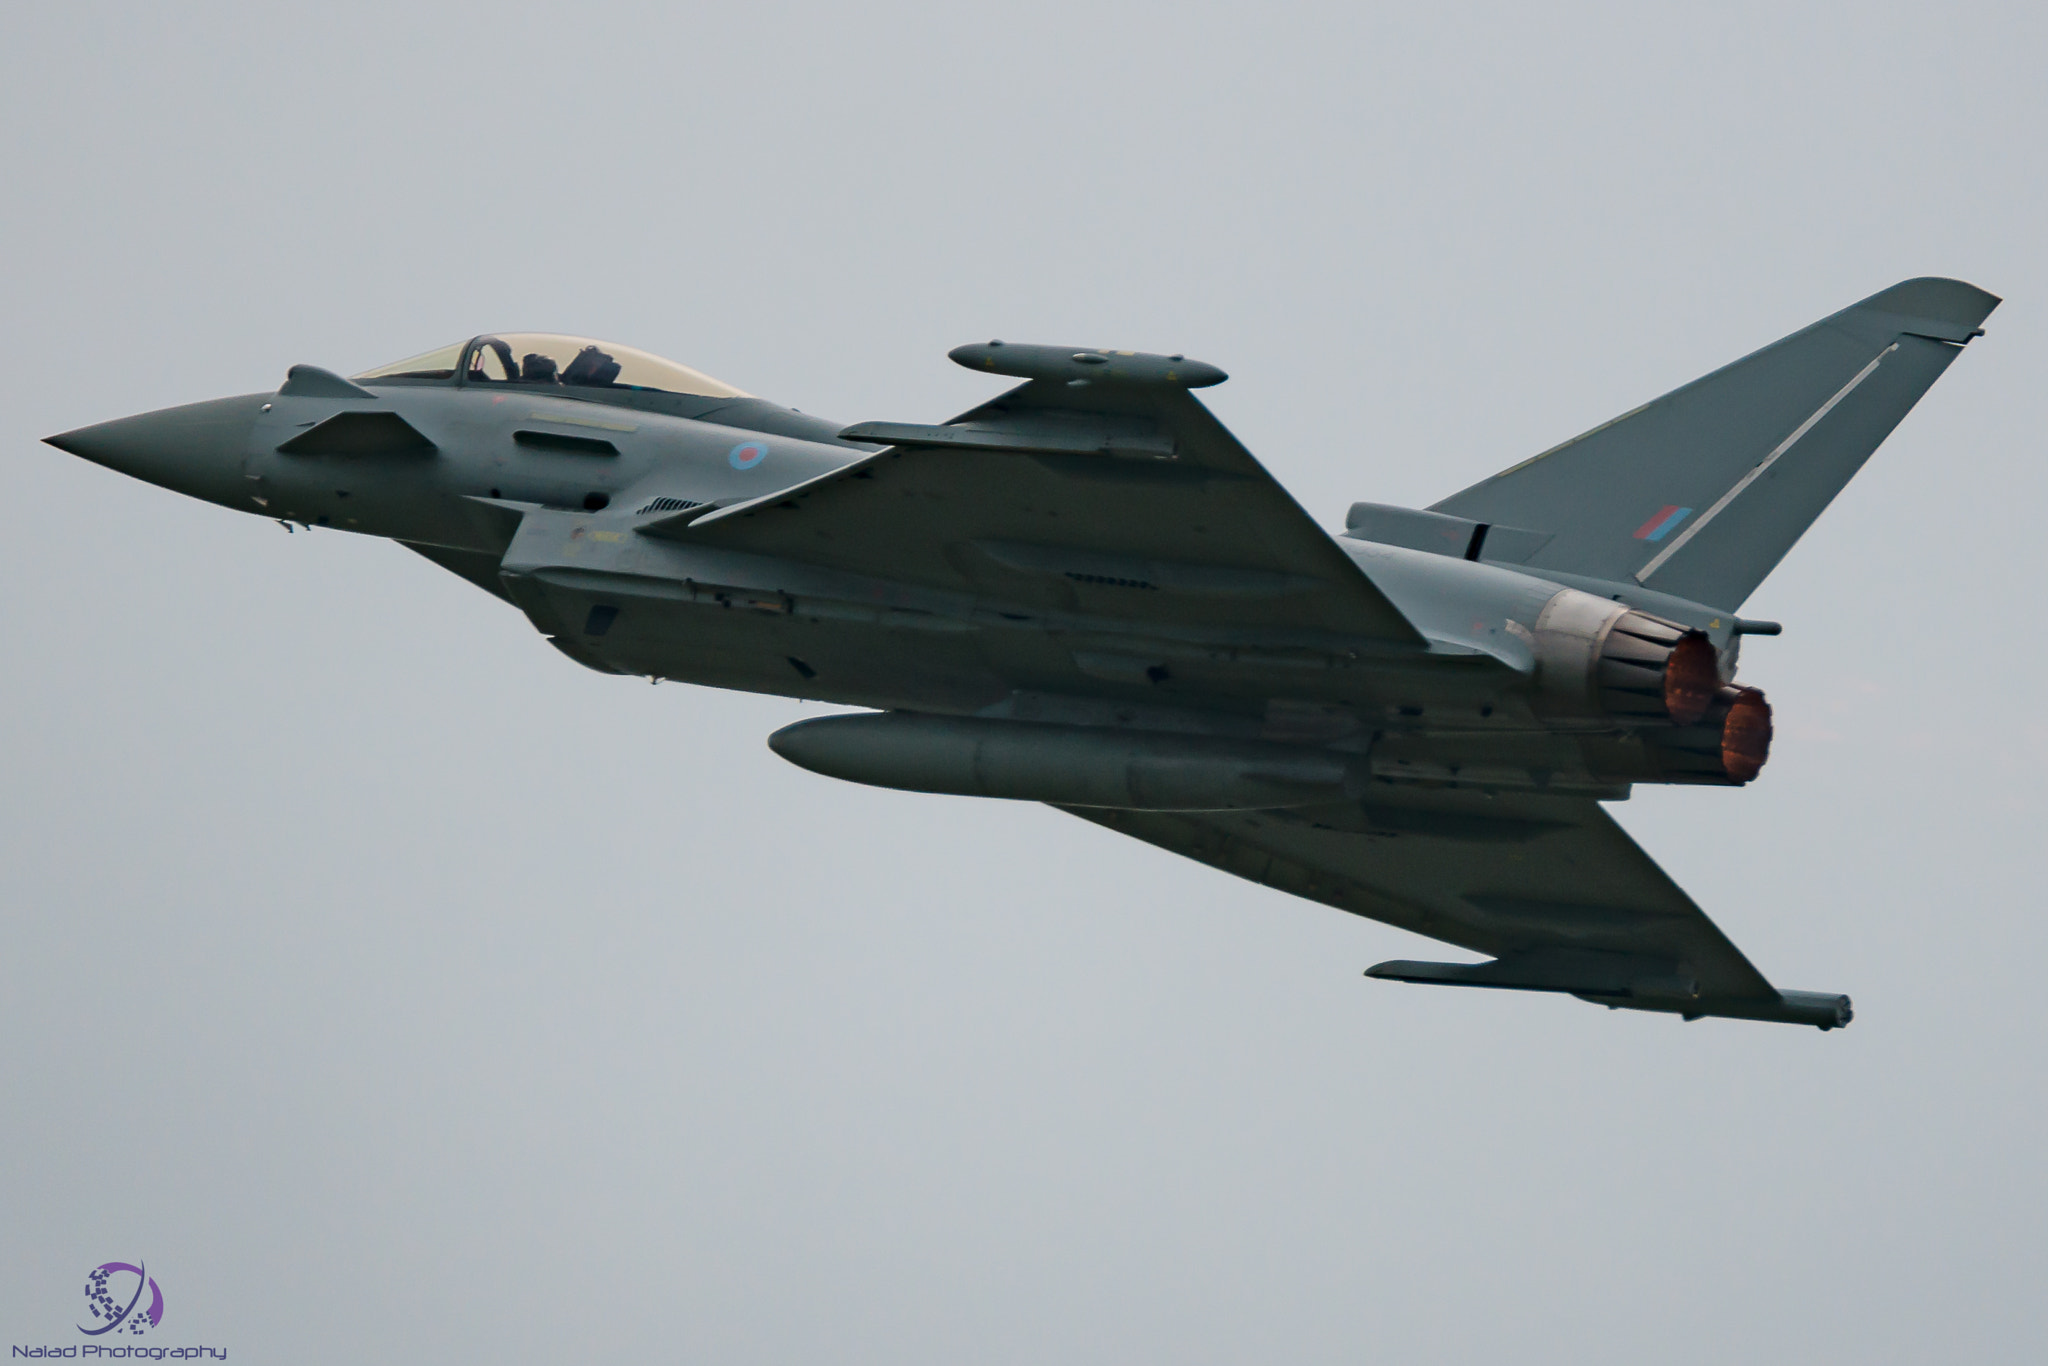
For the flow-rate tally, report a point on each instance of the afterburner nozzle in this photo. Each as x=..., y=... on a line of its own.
x=1596, y=658
x=1727, y=746
x=1692, y=675
x=1746, y=735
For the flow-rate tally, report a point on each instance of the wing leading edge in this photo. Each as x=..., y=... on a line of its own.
x=1551, y=887
x=1100, y=486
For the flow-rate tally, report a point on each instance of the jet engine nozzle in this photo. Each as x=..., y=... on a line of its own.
x=1067, y=765
x=1726, y=747
x=1642, y=668
x=1596, y=658
x=1746, y=735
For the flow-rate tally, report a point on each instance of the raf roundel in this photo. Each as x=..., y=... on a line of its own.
x=746, y=455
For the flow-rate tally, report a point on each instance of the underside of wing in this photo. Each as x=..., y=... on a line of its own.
x=1551, y=887
x=1108, y=491
x=475, y=566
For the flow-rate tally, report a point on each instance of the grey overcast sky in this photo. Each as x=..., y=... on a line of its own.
x=401, y=992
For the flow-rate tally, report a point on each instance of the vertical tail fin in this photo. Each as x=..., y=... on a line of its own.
x=1701, y=492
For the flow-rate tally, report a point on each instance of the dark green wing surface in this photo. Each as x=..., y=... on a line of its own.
x=1702, y=492
x=1551, y=887
x=1121, y=497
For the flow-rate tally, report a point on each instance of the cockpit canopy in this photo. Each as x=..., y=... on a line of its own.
x=547, y=360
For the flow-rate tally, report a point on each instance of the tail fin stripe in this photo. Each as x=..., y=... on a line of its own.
x=1656, y=561
x=1661, y=522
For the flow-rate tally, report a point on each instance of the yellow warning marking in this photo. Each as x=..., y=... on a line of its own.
x=578, y=420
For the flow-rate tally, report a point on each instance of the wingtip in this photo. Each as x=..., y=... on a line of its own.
x=1956, y=302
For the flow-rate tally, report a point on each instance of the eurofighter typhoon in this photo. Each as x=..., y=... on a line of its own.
x=1086, y=592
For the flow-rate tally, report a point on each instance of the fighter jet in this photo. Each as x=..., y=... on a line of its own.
x=1086, y=592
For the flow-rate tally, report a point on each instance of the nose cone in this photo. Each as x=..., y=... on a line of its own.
x=197, y=449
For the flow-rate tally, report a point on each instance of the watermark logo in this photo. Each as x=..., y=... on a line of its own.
x=116, y=1306
x=124, y=1301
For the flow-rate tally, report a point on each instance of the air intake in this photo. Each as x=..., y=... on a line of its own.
x=669, y=505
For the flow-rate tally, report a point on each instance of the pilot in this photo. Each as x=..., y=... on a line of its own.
x=591, y=367
x=534, y=368
x=478, y=374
